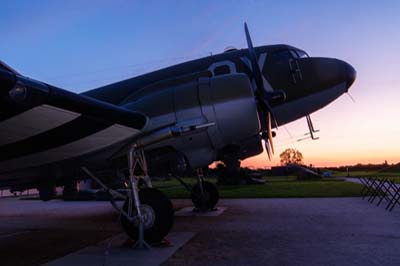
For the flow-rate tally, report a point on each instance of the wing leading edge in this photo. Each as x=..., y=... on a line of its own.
x=41, y=124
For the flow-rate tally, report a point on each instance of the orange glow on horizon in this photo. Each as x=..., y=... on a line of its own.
x=261, y=161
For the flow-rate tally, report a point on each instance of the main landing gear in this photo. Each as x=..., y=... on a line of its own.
x=157, y=214
x=147, y=214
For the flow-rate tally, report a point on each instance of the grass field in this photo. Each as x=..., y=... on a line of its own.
x=275, y=187
x=376, y=174
x=368, y=174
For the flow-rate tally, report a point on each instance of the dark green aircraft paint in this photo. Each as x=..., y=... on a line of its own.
x=286, y=68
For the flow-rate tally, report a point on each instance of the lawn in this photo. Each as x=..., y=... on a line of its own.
x=368, y=174
x=275, y=187
x=394, y=176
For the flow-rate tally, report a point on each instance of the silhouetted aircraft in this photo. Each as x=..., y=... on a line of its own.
x=221, y=107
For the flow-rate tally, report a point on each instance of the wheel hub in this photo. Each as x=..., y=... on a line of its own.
x=148, y=214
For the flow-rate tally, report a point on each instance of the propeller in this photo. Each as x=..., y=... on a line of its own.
x=267, y=137
x=263, y=98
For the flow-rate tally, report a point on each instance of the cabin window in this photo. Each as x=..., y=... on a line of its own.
x=221, y=70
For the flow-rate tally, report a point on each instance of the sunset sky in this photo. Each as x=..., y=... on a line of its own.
x=78, y=45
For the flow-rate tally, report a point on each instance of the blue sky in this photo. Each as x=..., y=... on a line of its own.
x=79, y=45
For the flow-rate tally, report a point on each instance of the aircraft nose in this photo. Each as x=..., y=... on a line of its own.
x=323, y=73
x=334, y=71
x=350, y=74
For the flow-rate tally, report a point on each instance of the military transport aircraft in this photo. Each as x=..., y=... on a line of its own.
x=221, y=107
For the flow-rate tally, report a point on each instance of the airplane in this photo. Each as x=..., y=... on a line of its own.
x=222, y=107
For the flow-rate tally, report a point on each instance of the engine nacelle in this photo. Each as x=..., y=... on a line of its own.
x=221, y=110
x=232, y=105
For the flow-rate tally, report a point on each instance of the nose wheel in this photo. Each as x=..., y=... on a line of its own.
x=157, y=216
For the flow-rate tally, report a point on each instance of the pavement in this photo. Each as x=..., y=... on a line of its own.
x=33, y=232
x=115, y=252
x=190, y=211
x=309, y=231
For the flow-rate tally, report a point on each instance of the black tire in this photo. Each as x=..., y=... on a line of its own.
x=162, y=222
x=47, y=192
x=211, y=196
x=70, y=191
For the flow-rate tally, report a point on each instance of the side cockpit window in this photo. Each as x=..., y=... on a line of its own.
x=281, y=56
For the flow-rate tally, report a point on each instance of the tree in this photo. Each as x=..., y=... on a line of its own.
x=291, y=156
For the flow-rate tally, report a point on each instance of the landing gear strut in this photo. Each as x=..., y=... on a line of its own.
x=204, y=194
x=147, y=215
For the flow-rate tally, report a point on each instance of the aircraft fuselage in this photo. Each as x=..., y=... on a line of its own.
x=215, y=93
x=309, y=84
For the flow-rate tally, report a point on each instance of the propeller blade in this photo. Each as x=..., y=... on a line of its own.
x=260, y=89
x=256, y=68
x=268, y=144
x=270, y=133
x=268, y=107
x=267, y=148
x=263, y=106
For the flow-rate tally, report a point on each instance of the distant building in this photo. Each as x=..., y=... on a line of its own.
x=302, y=172
x=281, y=171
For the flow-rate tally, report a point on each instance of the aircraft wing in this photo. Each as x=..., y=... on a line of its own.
x=40, y=124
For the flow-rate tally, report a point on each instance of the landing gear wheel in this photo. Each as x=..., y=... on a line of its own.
x=157, y=213
x=208, y=199
x=70, y=191
x=47, y=192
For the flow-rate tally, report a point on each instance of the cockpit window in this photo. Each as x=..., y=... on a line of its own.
x=298, y=54
x=301, y=54
x=283, y=55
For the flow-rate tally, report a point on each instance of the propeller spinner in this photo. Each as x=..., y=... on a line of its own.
x=262, y=97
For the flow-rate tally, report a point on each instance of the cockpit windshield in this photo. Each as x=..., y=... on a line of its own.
x=301, y=54
x=287, y=54
x=281, y=56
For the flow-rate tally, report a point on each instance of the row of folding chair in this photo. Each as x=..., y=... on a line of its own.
x=381, y=189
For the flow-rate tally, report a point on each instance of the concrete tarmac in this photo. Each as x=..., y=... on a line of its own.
x=329, y=231
x=301, y=232
x=33, y=232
